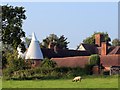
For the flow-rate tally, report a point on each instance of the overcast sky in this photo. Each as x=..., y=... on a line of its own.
x=75, y=20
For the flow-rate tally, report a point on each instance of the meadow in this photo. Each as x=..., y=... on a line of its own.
x=87, y=82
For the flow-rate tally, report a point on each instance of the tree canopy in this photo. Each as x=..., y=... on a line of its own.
x=12, y=32
x=116, y=42
x=91, y=39
x=12, y=20
x=61, y=42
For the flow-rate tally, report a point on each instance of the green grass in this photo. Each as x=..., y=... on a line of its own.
x=63, y=83
x=0, y=83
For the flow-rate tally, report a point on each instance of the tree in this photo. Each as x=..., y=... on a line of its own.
x=91, y=39
x=28, y=40
x=12, y=19
x=61, y=42
x=14, y=62
x=116, y=42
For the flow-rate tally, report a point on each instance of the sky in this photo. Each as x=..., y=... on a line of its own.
x=74, y=20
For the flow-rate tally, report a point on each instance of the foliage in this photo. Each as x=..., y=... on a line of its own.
x=48, y=63
x=4, y=60
x=13, y=64
x=12, y=19
x=28, y=40
x=51, y=38
x=116, y=42
x=45, y=73
x=61, y=42
x=94, y=59
x=88, y=69
x=106, y=73
x=91, y=39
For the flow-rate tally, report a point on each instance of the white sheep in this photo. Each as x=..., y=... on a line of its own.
x=78, y=78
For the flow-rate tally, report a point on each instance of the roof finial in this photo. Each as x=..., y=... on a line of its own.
x=34, y=37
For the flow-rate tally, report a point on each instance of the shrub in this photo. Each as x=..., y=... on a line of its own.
x=94, y=59
x=88, y=69
x=13, y=64
x=7, y=73
x=62, y=69
x=47, y=63
x=106, y=73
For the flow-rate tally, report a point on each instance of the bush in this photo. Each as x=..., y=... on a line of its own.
x=77, y=71
x=47, y=63
x=62, y=69
x=46, y=73
x=88, y=69
x=7, y=73
x=94, y=59
x=106, y=73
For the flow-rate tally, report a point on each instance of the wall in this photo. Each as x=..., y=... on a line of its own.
x=80, y=61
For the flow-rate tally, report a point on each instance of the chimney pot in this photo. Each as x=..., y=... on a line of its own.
x=104, y=48
x=98, y=39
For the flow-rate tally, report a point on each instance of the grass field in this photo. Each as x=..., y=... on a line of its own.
x=63, y=83
x=0, y=83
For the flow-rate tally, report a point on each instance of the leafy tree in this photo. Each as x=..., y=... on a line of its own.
x=28, y=40
x=116, y=42
x=61, y=42
x=91, y=39
x=12, y=19
x=14, y=62
x=4, y=60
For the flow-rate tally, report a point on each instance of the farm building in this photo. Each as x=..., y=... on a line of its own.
x=109, y=55
x=34, y=52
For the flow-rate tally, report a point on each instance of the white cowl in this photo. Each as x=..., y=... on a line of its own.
x=34, y=50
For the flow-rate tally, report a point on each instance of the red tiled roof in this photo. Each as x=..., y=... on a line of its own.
x=110, y=60
x=116, y=50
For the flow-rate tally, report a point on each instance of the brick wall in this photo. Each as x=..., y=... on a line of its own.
x=80, y=61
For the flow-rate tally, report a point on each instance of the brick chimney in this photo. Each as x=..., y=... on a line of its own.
x=51, y=45
x=104, y=48
x=98, y=39
x=56, y=48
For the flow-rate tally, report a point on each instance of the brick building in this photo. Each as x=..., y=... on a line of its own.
x=109, y=55
x=34, y=53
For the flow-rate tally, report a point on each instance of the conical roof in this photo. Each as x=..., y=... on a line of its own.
x=34, y=50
